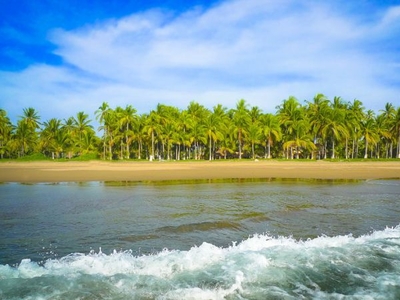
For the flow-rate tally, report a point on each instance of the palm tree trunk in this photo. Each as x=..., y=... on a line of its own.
x=127, y=149
x=209, y=156
x=398, y=146
x=333, y=149
x=391, y=149
x=356, y=154
x=269, y=148
x=366, y=148
x=109, y=149
x=152, y=144
x=240, y=144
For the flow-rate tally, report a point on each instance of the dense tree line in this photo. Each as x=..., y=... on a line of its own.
x=318, y=129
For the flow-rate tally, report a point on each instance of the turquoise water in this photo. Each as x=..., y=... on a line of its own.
x=216, y=240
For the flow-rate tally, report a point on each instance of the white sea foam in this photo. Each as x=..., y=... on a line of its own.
x=262, y=265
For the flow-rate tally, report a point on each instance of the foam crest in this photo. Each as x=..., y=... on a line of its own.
x=259, y=266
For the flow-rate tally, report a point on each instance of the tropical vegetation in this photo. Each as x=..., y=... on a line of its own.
x=317, y=129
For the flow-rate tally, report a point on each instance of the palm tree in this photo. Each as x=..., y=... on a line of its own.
x=23, y=137
x=316, y=112
x=50, y=136
x=183, y=125
x=301, y=139
x=291, y=119
x=6, y=129
x=102, y=114
x=396, y=129
x=383, y=132
x=228, y=143
x=254, y=136
x=354, y=118
x=68, y=129
x=151, y=127
x=211, y=129
x=271, y=131
x=140, y=134
x=31, y=119
x=388, y=115
x=116, y=132
x=255, y=114
x=127, y=119
x=334, y=126
x=82, y=126
x=241, y=119
x=221, y=115
x=368, y=131
x=198, y=137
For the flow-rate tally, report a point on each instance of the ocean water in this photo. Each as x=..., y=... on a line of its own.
x=239, y=239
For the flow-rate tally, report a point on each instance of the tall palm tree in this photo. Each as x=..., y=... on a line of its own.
x=24, y=138
x=271, y=131
x=388, y=115
x=254, y=136
x=396, y=129
x=127, y=119
x=355, y=116
x=301, y=139
x=140, y=134
x=241, y=119
x=255, y=114
x=221, y=115
x=211, y=128
x=31, y=118
x=198, y=138
x=102, y=115
x=82, y=126
x=6, y=129
x=368, y=131
x=291, y=119
x=151, y=127
x=32, y=121
x=228, y=143
x=68, y=128
x=334, y=126
x=317, y=114
x=49, y=136
x=384, y=135
x=184, y=123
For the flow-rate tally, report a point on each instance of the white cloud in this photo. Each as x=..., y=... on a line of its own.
x=392, y=15
x=262, y=51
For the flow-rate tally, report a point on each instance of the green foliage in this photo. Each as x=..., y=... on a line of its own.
x=33, y=157
x=319, y=129
x=86, y=157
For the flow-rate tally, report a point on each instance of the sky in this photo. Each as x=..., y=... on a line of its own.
x=62, y=57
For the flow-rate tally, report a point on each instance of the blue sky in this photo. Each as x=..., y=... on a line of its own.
x=61, y=57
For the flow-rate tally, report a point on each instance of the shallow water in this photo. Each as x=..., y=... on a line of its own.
x=211, y=240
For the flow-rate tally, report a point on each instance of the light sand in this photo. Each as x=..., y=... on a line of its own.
x=32, y=172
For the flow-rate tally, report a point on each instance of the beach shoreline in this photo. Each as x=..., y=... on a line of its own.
x=49, y=171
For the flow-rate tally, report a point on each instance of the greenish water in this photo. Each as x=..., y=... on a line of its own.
x=251, y=239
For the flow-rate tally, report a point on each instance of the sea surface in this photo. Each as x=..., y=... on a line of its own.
x=232, y=239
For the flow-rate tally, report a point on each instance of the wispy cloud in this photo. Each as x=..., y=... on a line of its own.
x=262, y=51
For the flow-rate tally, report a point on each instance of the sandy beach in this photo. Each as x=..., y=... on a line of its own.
x=33, y=172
